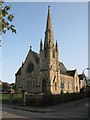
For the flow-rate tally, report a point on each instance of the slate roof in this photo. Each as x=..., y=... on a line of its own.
x=62, y=67
x=18, y=72
x=64, y=71
x=36, y=56
x=80, y=76
x=71, y=72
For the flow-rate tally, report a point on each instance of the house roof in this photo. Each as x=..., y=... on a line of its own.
x=0, y=82
x=12, y=84
x=80, y=76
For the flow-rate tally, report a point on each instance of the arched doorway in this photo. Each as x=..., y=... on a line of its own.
x=44, y=86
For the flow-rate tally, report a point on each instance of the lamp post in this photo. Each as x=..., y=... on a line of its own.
x=85, y=85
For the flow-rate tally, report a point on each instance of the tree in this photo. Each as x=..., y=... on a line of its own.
x=6, y=19
x=13, y=86
x=5, y=86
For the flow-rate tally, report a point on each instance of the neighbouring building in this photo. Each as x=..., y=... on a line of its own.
x=83, y=81
x=0, y=85
x=0, y=82
x=42, y=72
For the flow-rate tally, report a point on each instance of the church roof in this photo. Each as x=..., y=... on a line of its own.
x=71, y=72
x=64, y=71
x=62, y=67
x=18, y=72
x=36, y=56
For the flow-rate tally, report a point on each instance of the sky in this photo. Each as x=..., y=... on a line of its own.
x=70, y=26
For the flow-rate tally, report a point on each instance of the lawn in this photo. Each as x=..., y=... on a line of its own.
x=5, y=96
x=15, y=97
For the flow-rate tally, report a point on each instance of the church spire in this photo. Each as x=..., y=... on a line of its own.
x=49, y=39
x=41, y=45
x=49, y=22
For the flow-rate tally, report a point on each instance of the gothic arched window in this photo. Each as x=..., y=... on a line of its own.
x=55, y=86
x=53, y=54
x=30, y=68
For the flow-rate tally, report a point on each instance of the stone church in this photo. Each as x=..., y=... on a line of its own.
x=42, y=72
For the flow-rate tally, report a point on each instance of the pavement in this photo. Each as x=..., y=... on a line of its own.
x=54, y=108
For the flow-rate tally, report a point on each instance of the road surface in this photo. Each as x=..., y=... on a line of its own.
x=79, y=110
x=15, y=113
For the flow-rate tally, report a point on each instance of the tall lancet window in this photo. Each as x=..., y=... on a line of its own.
x=45, y=53
x=53, y=54
x=55, y=86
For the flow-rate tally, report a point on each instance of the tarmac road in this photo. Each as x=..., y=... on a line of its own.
x=16, y=113
x=79, y=111
x=76, y=109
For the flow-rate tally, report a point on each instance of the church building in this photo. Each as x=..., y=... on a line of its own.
x=43, y=72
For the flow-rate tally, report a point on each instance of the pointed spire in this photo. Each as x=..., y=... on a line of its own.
x=41, y=45
x=56, y=46
x=49, y=39
x=49, y=23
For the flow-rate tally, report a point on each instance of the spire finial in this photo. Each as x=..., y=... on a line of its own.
x=49, y=23
x=48, y=7
x=30, y=48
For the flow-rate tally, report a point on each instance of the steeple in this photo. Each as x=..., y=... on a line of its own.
x=49, y=22
x=41, y=45
x=49, y=39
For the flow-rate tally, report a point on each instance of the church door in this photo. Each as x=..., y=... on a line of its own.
x=44, y=86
